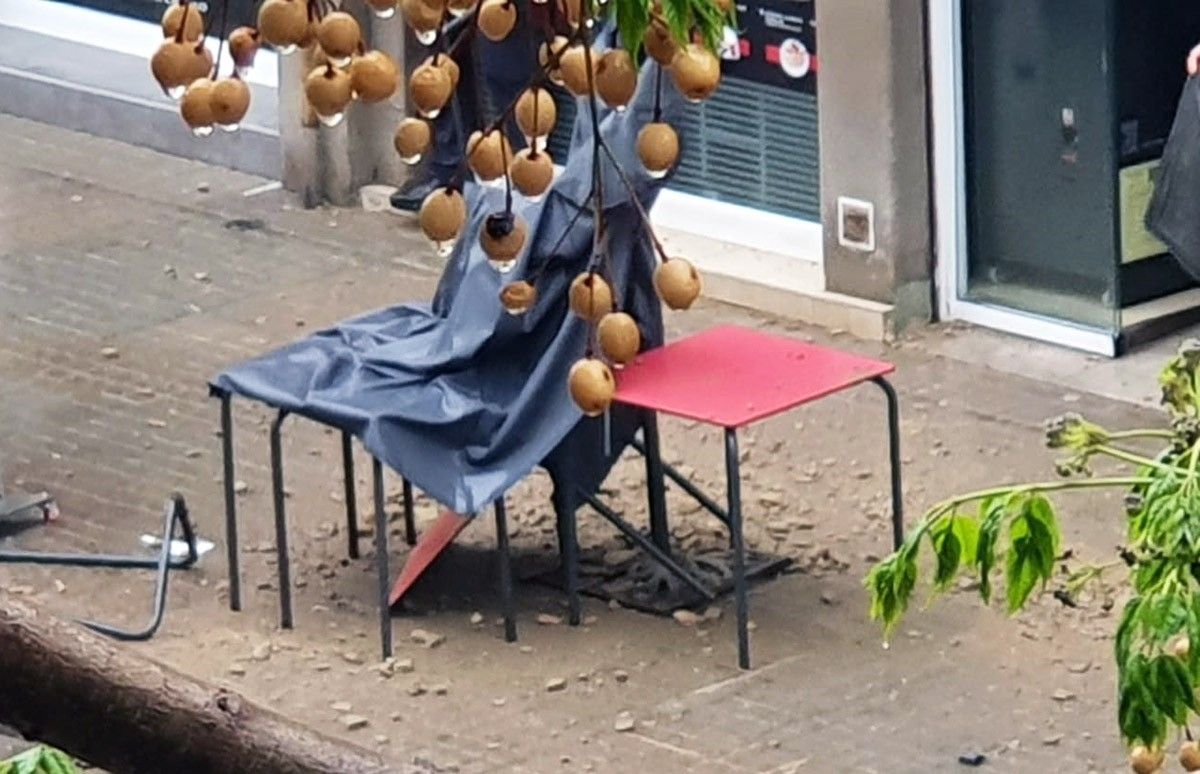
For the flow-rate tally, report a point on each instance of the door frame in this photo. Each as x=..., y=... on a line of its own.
x=951, y=240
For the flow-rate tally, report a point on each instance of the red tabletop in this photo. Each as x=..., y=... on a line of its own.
x=732, y=376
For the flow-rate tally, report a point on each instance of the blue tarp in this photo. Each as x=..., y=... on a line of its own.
x=460, y=397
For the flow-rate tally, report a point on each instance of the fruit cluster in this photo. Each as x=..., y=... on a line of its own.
x=566, y=58
x=679, y=39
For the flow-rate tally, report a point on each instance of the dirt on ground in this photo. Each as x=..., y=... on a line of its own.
x=127, y=279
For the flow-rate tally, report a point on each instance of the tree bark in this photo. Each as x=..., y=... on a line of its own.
x=76, y=691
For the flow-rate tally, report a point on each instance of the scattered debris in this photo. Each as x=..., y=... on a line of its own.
x=426, y=639
x=972, y=759
x=624, y=722
x=110, y=353
x=686, y=617
x=549, y=619
x=341, y=706
x=353, y=722
x=555, y=684
x=352, y=657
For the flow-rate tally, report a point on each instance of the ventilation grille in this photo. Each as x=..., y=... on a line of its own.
x=750, y=144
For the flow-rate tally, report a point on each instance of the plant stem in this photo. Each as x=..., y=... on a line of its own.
x=1041, y=488
x=1137, y=459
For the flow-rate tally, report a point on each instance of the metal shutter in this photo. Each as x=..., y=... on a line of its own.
x=750, y=144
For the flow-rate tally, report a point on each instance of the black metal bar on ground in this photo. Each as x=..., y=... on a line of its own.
x=504, y=561
x=284, y=568
x=109, y=561
x=410, y=521
x=381, y=559
x=687, y=486
x=733, y=477
x=656, y=491
x=176, y=514
x=568, y=551
x=351, y=497
x=231, y=526
x=893, y=407
x=648, y=545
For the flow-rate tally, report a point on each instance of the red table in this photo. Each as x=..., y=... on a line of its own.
x=732, y=377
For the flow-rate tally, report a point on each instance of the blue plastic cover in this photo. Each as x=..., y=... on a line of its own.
x=460, y=397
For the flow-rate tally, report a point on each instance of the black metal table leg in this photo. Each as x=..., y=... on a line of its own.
x=284, y=568
x=381, y=559
x=568, y=552
x=893, y=406
x=410, y=521
x=504, y=560
x=351, y=497
x=231, y=526
x=656, y=491
x=734, y=482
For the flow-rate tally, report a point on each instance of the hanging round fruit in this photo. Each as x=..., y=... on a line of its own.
x=497, y=19
x=188, y=17
x=678, y=283
x=196, y=107
x=697, y=72
x=488, y=154
x=329, y=90
x=518, y=297
x=536, y=112
x=592, y=386
x=430, y=89
x=442, y=215
x=413, y=138
x=531, y=173
x=447, y=63
x=243, y=45
x=548, y=56
x=1145, y=761
x=230, y=101
x=573, y=66
x=660, y=45
x=172, y=66
x=620, y=339
x=373, y=76
x=590, y=296
x=283, y=23
x=502, y=238
x=658, y=148
x=338, y=34
x=424, y=18
x=1189, y=756
x=616, y=78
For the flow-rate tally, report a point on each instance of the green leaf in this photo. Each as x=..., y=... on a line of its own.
x=891, y=584
x=991, y=517
x=954, y=538
x=1033, y=545
x=633, y=17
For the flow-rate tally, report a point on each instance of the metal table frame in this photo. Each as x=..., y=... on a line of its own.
x=382, y=559
x=656, y=544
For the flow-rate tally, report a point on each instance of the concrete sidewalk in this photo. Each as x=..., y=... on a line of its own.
x=127, y=278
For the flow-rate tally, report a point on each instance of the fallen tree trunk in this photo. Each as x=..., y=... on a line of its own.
x=76, y=691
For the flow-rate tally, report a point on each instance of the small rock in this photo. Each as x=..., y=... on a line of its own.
x=353, y=722
x=624, y=722
x=441, y=689
x=426, y=638
x=621, y=676
x=387, y=667
x=59, y=586
x=686, y=617
x=202, y=187
x=476, y=618
x=192, y=454
x=416, y=689
x=110, y=353
x=1062, y=694
x=381, y=739
x=972, y=759
x=322, y=667
x=200, y=276
x=712, y=613
x=237, y=669
x=156, y=423
x=774, y=744
x=241, y=487
x=261, y=652
x=555, y=684
x=1079, y=668
x=404, y=666
x=549, y=619
x=1051, y=741
x=341, y=706
x=352, y=657
x=828, y=598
